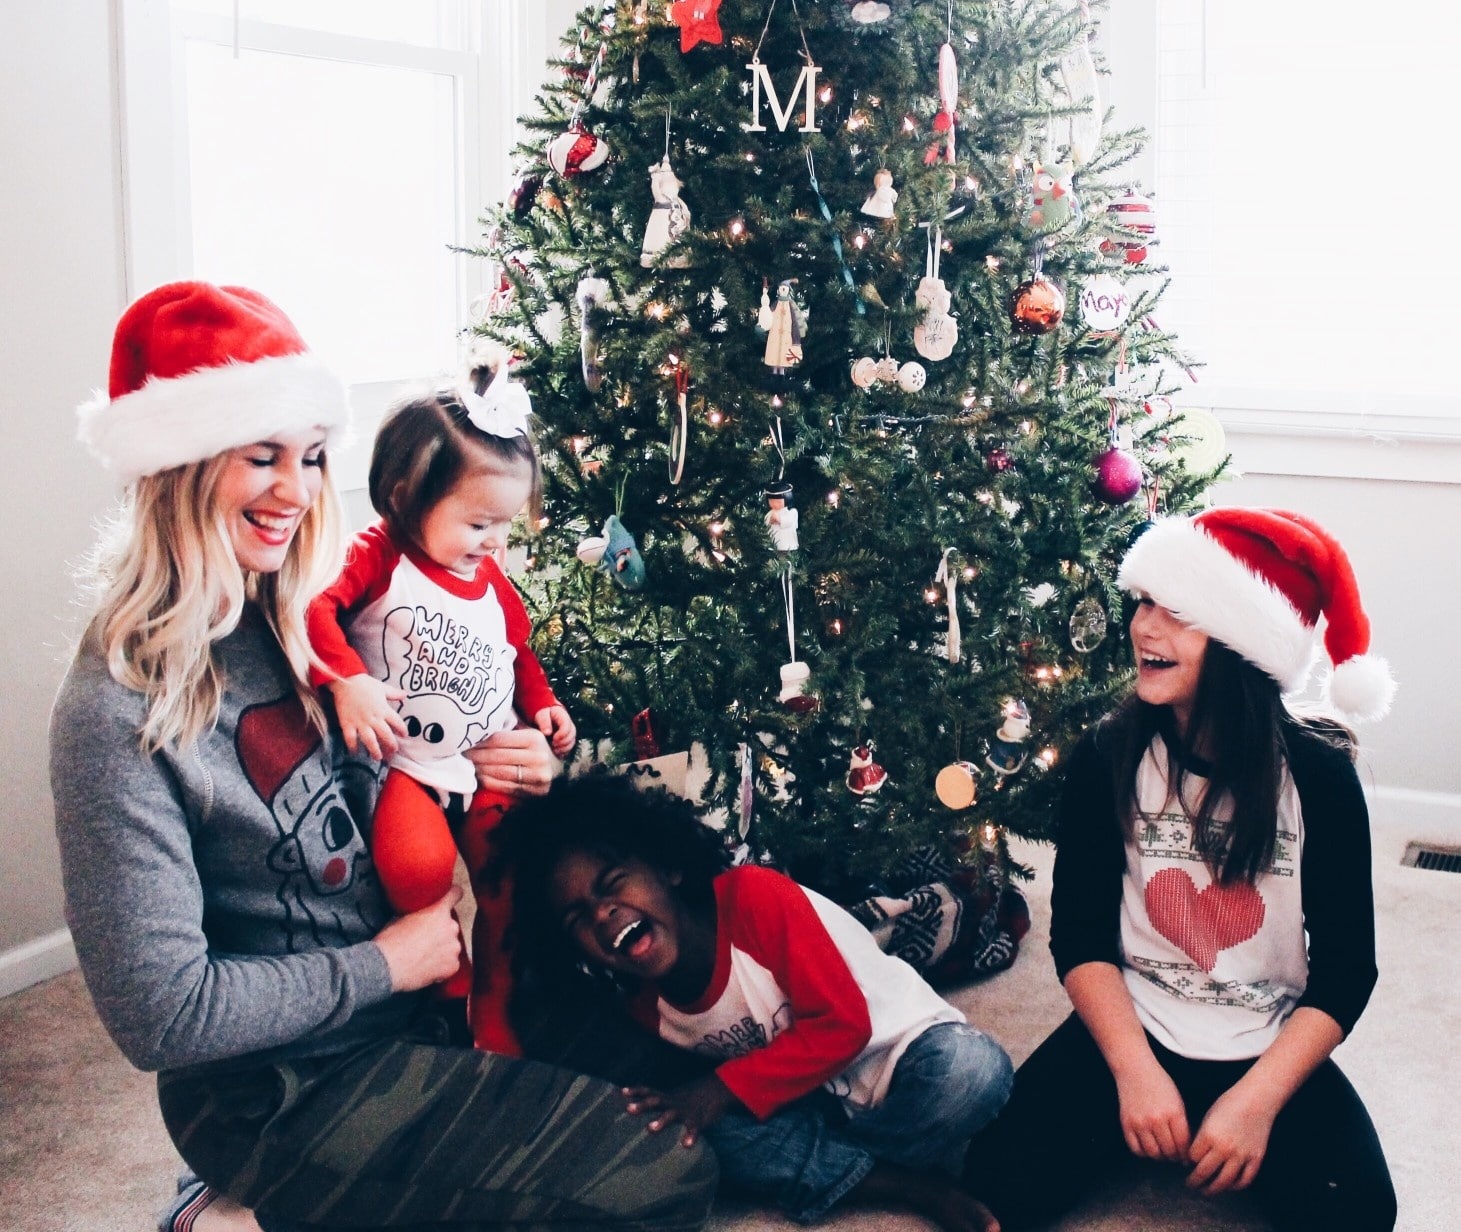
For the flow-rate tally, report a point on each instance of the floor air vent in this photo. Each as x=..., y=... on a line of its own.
x=1423, y=855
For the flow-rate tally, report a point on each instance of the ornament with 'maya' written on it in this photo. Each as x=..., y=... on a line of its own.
x=1088, y=625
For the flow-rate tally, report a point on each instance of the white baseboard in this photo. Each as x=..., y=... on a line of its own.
x=1402, y=816
x=35, y=961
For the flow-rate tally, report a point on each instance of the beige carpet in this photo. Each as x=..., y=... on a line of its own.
x=82, y=1148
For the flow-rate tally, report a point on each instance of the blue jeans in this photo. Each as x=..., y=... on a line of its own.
x=949, y=1083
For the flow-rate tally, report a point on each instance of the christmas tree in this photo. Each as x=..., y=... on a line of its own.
x=836, y=318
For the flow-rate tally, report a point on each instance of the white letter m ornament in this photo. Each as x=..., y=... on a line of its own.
x=806, y=84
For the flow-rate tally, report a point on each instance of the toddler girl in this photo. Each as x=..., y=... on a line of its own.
x=426, y=645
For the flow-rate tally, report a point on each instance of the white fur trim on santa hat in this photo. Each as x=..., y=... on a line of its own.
x=1361, y=688
x=1204, y=585
x=188, y=418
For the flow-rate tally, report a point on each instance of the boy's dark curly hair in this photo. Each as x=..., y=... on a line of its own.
x=605, y=815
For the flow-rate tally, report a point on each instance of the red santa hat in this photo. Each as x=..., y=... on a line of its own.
x=198, y=369
x=1258, y=580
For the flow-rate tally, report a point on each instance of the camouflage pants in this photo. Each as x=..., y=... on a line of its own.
x=414, y=1136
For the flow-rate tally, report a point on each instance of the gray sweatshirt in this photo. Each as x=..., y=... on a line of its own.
x=221, y=897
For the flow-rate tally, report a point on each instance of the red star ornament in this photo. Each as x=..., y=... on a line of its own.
x=699, y=22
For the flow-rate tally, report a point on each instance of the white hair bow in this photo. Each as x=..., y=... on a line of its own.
x=502, y=410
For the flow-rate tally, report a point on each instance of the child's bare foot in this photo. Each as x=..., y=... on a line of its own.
x=932, y=1194
x=941, y=1200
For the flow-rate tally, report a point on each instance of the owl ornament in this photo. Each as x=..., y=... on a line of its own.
x=1052, y=203
x=934, y=336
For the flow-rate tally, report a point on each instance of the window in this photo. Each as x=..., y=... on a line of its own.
x=329, y=153
x=1294, y=146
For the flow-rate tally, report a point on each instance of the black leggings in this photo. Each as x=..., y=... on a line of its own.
x=1060, y=1136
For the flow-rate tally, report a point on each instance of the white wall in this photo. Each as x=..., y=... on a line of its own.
x=61, y=290
x=60, y=278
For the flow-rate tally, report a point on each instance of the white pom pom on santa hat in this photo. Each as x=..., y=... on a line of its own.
x=1259, y=581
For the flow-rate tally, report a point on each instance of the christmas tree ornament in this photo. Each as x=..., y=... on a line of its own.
x=669, y=217
x=865, y=372
x=826, y=211
x=577, y=151
x=1104, y=304
x=592, y=297
x=1052, y=204
x=699, y=22
x=642, y=729
x=884, y=196
x=1037, y=306
x=870, y=12
x=1081, y=129
x=1136, y=216
x=680, y=428
x=1197, y=440
x=621, y=559
x=935, y=335
x=1118, y=473
x=781, y=517
x=998, y=459
x=1007, y=752
x=911, y=377
x=1088, y=624
x=888, y=368
x=948, y=104
x=806, y=83
x=947, y=576
x=784, y=323
x=864, y=775
x=957, y=785
x=524, y=194
x=794, y=695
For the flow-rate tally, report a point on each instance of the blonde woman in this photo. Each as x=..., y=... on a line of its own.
x=227, y=917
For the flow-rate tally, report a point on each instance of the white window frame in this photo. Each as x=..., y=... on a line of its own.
x=1292, y=432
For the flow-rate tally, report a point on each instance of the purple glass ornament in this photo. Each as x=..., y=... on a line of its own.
x=1118, y=476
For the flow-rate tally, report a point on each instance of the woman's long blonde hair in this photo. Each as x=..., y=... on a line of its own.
x=168, y=586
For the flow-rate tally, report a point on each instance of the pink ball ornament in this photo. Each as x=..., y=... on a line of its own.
x=1118, y=476
x=577, y=151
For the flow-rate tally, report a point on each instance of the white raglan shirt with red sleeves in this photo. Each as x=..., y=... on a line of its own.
x=801, y=997
x=457, y=647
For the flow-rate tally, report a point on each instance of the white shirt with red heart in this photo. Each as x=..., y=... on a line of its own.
x=1214, y=971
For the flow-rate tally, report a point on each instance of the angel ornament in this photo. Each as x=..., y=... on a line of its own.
x=784, y=323
x=668, y=220
x=934, y=337
x=883, y=197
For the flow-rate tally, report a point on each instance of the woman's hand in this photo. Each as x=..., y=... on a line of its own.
x=424, y=947
x=367, y=713
x=514, y=763
x=694, y=1105
x=1231, y=1141
x=1153, y=1117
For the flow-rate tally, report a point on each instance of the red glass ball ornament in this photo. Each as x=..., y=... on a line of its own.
x=1037, y=306
x=999, y=459
x=1118, y=476
x=524, y=194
